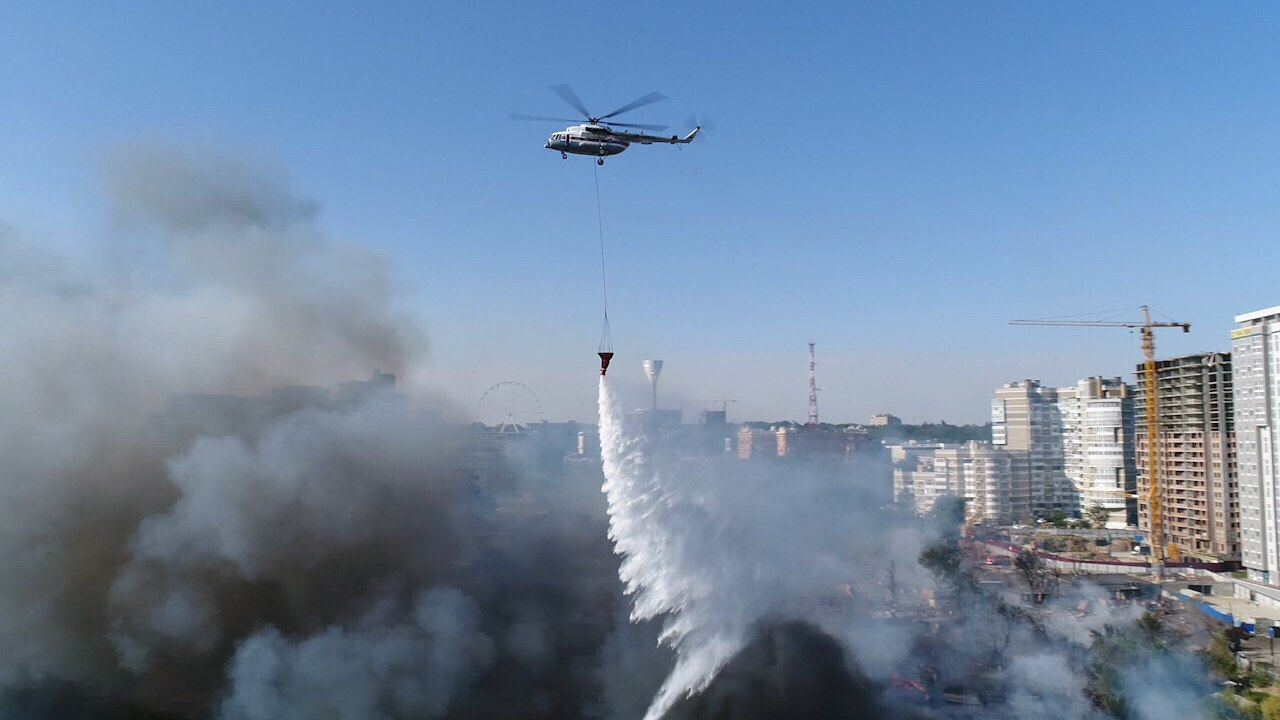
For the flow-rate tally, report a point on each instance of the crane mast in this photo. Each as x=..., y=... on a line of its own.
x=1152, y=402
x=1151, y=405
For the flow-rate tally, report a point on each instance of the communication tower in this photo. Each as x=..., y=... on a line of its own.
x=813, y=388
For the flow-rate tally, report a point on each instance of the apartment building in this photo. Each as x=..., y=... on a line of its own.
x=1098, y=448
x=978, y=472
x=1195, y=457
x=1255, y=380
x=1071, y=448
x=1026, y=421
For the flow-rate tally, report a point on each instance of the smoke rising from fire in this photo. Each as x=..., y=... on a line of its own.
x=288, y=551
x=242, y=292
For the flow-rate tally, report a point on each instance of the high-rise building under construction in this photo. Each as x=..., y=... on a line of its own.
x=1195, y=449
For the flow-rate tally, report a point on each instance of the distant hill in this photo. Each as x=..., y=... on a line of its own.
x=933, y=432
x=941, y=431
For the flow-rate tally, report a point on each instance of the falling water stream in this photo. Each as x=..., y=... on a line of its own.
x=650, y=523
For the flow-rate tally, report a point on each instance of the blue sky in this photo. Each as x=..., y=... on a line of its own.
x=894, y=181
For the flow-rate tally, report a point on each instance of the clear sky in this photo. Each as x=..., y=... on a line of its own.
x=893, y=181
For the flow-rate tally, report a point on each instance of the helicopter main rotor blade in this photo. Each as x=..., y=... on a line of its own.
x=638, y=125
x=567, y=94
x=541, y=118
x=646, y=100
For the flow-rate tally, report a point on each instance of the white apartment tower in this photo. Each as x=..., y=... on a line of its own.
x=1098, y=449
x=1255, y=360
x=982, y=475
x=977, y=472
x=1071, y=448
x=1027, y=422
x=913, y=476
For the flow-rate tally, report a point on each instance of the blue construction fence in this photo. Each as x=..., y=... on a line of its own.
x=1219, y=615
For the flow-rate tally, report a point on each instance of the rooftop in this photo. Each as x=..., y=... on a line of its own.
x=1258, y=314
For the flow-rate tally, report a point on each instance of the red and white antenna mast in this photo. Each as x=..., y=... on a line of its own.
x=813, y=388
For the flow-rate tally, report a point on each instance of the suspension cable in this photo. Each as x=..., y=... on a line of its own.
x=606, y=336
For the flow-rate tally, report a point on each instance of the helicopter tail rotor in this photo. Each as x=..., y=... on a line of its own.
x=700, y=122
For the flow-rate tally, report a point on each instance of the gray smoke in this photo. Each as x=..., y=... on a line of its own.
x=236, y=293
x=377, y=669
x=307, y=540
x=319, y=492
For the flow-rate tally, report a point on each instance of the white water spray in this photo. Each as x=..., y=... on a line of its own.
x=713, y=550
x=645, y=515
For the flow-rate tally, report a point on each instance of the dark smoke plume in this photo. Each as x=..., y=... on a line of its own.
x=790, y=670
x=235, y=296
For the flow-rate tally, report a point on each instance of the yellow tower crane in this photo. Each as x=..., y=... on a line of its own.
x=1151, y=401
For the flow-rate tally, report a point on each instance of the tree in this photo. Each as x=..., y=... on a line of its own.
x=1058, y=519
x=947, y=515
x=891, y=577
x=941, y=560
x=1098, y=516
x=1113, y=652
x=1004, y=620
x=1222, y=655
x=1150, y=625
x=1042, y=578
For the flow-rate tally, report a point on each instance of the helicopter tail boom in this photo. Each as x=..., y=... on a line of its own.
x=646, y=139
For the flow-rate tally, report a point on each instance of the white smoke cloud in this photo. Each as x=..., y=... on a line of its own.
x=1085, y=608
x=374, y=671
x=1046, y=686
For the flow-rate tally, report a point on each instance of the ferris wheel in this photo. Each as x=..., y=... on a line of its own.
x=509, y=406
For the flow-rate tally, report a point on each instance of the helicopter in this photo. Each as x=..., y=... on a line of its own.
x=596, y=135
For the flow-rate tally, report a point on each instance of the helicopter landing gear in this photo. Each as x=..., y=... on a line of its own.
x=599, y=161
x=564, y=155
